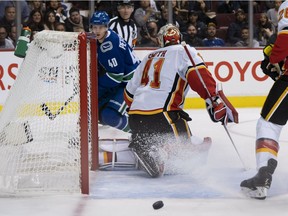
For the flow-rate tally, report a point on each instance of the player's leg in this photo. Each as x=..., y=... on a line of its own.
x=179, y=122
x=153, y=137
x=113, y=113
x=147, y=142
x=273, y=116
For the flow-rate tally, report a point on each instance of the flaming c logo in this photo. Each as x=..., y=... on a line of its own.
x=172, y=32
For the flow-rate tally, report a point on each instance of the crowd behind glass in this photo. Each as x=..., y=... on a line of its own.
x=202, y=23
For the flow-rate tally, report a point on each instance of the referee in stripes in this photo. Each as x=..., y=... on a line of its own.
x=123, y=25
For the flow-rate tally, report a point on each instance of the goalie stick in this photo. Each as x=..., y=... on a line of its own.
x=48, y=112
x=231, y=114
x=230, y=110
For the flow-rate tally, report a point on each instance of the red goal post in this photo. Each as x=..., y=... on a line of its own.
x=84, y=66
x=49, y=122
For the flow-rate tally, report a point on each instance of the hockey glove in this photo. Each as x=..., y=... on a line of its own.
x=216, y=109
x=270, y=70
x=231, y=112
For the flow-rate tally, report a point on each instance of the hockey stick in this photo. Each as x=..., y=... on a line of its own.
x=228, y=133
x=47, y=111
x=183, y=43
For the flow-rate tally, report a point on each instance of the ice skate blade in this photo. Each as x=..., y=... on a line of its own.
x=259, y=193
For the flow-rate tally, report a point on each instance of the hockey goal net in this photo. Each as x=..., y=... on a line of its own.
x=47, y=141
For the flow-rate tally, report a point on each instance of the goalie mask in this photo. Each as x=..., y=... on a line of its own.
x=169, y=35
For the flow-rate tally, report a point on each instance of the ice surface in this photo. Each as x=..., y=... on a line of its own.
x=210, y=189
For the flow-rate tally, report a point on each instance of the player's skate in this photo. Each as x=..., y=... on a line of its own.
x=150, y=160
x=257, y=186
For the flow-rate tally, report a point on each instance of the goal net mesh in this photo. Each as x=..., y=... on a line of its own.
x=39, y=124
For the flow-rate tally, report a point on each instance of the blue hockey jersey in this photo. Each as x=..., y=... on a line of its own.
x=118, y=60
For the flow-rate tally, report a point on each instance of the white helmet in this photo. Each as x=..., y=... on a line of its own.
x=169, y=35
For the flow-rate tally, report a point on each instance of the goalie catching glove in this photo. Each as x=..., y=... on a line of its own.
x=220, y=109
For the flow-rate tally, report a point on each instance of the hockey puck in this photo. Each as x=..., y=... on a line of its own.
x=157, y=205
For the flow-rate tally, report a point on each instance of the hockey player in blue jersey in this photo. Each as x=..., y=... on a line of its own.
x=116, y=65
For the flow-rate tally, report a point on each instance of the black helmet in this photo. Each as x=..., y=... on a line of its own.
x=125, y=2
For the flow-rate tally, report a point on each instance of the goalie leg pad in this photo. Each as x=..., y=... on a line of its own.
x=114, y=153
x=150, y=160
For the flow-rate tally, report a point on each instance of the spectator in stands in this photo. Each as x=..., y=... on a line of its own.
x=212, y=40
x=154, y=6
x=234, y=29
x=108, y=6
x=191, y=38
x=12, y=35
x=60, y=27
x=244, y=42
x=163, y=20
x=76, y=22
x=273, y=13
x=25, y=10
x=35, y=22
x=144, y=13
x=50, y=20
x=200, y=26
x=200, y=7
x=9, y=18
x=58, y=8
x=183, y=5
x=176, y=15
x=257, y=6
x=37, y=5
x=268, y=4
x=82, y=5
x=4, y=42
x=149, y=34
x=228, y=6
x=264, y=29
x=123, y=24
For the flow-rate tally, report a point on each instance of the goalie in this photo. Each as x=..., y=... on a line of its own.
x=274, y=112
x=156, y=95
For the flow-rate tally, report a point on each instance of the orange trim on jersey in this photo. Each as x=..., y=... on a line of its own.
x=283, y=32
x=127, y=98
x=276, y=105
x=177, y=98
x=146, y=112
x=194, y=69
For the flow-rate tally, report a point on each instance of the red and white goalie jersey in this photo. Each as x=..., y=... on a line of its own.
x=160, y=82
